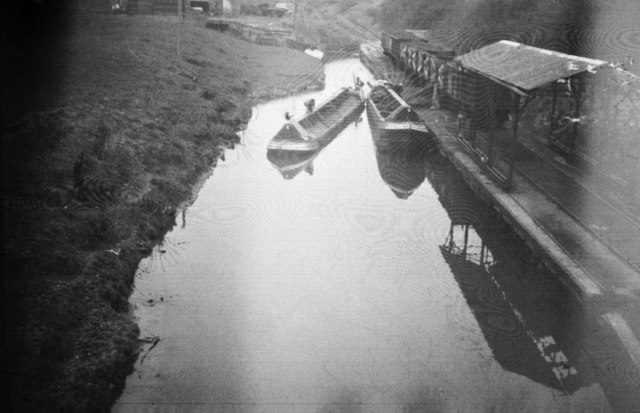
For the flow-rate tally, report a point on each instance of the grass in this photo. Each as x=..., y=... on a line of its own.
x=105, y=137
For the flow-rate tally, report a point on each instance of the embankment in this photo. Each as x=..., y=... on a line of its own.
x=110, y=122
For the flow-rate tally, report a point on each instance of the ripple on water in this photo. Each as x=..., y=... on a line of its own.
x=495, y=315
x=410, y=268
x=366, y=221
x=247, y=208
x=430, y=229
x=458, y=316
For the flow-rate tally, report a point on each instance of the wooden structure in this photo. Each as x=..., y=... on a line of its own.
x=490, y=88
x=254, y=34
x=155, y=6
x=415, y=53
x=429, y=61
x=321, y=126
x=265, y=36
x=513, y=75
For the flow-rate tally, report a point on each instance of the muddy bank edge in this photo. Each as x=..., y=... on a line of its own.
x=110, y=129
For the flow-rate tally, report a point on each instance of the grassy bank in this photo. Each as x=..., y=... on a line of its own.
x=326, y=24
x=107, y=129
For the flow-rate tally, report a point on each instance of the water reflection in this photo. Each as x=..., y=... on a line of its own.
x=291, y=163
x=334, y=295
x=520, y=337
x=401, y=163
x=515, y=346
x=532, y=324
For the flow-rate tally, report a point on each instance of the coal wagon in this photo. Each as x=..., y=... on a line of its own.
x=433, y=66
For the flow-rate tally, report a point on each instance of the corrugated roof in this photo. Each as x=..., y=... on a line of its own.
x=525, y=67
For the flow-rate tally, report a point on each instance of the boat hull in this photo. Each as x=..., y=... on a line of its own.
x=388, y=135
x=319, y=128
x=295, y=146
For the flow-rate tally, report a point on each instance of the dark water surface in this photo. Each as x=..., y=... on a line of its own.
x=350, y=287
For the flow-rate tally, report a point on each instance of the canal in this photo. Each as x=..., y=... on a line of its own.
x=363, y=281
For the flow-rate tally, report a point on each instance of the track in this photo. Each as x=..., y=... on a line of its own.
x=613, y=226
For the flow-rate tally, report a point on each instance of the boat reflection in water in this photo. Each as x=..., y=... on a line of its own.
x=291, y=163
x=531, y=322
x=401, y=140
x=401, y=162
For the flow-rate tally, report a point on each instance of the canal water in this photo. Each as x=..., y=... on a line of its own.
x=363, y=282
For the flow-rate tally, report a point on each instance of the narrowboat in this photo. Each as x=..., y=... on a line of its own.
x=392, y=119
x=320, y=126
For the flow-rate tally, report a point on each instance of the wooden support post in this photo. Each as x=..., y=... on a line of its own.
x=577, y=100
x=491, y=139
x=451, y=237
x=466, y=239
x=552, y=115
x=458, y=71
x=512, y=143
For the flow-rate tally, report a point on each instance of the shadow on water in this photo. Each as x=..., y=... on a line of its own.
x=401, y=163
x=291, y=163
x=532, y=323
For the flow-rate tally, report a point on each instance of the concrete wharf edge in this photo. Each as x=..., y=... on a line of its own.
x=553, y=255
x=580, y=283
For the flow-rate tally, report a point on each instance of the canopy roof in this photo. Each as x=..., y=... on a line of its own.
x=525, y=67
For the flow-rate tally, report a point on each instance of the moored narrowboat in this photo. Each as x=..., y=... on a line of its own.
x=321, y=126
x=392, y=119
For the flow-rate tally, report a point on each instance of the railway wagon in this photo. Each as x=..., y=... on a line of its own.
x=453, y=87
x=412, y=52
x=426, y=61
x=392, y=41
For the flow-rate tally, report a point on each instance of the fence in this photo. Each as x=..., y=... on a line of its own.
x=259, y=35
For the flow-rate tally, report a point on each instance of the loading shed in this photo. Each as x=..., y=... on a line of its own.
x=521, y=73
